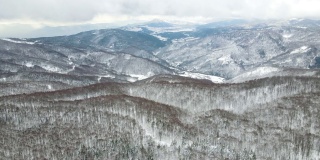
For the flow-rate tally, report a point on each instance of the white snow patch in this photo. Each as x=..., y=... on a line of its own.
x=302, y=49
x=176, y=64
x=188, y=39
x=69, y=70
x=260, y=72
x=287, y=36
x=105, y=76
x=51, y=68
x=49, y=87
x=109, y=76
x=149, y=74
x=130, y=79
x=161, y=38
x=156, y=53
x=15, y=41
x=127, y=56
x=225, y=59
x=139, y=77
x=29, y=64
x=286, y=61
x=70, y=61
x=301, y=27
x=313, y=73
x=214, y=79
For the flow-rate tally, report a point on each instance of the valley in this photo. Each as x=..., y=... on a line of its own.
x=164, y=91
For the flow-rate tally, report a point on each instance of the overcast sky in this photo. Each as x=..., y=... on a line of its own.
x=16, y=14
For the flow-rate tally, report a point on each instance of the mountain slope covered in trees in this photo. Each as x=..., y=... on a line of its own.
x=225, y=90
x=145, y=120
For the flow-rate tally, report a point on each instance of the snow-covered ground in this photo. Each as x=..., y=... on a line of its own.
x=52, y=68
x=302, y=49
x=257, y=73
x=287, y=36
x=137, y=77
x=16, y=41
x=225, y=59
x=29, y=64
x=161, y=38
x=214, y=79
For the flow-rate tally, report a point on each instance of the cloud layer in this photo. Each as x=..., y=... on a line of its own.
x=24, y=18
x=78, y=11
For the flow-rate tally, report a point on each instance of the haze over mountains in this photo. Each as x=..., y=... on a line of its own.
x=226, y=90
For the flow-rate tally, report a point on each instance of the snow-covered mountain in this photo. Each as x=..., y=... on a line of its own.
x=234, y=89
x=228, y=53
x=226, y=49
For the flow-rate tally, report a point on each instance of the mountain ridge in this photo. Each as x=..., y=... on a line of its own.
x=227, y=90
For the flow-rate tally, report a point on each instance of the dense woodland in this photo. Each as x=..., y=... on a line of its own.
x=271, y=118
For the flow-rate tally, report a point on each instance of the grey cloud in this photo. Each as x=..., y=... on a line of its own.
x=85, y=10
x=55, y=10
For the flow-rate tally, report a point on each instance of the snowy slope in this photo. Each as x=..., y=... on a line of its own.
x=164, y=92
x=231, y=52
x=263, y=72
x=214, y=79
x=257, y=73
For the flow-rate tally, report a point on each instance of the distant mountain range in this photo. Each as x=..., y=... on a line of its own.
x=223, y=49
